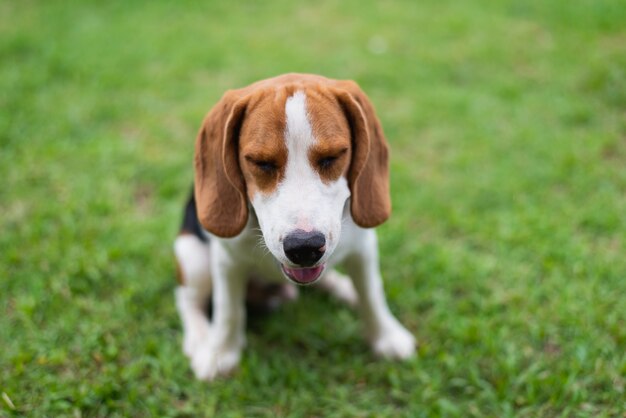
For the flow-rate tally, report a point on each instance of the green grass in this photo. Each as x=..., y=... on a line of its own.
x=505, y=254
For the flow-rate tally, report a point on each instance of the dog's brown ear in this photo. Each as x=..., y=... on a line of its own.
x=368, y=176
x=220, y=189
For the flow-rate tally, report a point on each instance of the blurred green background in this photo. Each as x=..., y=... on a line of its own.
x=505, y=253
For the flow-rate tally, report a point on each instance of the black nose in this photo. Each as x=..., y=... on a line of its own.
x=304, y=248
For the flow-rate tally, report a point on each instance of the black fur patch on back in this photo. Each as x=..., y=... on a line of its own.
x=190, y=224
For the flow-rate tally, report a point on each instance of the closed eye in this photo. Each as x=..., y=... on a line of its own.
x=327, y=162
x=267, y=167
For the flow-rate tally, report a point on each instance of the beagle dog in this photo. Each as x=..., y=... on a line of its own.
x=291, y=175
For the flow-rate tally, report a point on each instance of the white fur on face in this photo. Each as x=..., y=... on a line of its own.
x=301, y=200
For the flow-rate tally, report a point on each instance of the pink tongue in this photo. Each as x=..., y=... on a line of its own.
x=305, y=275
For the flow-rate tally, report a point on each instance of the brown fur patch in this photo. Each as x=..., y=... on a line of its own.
x=179, y=274
x=262, y=149
x=180, y=277
x=368, y=177
x=331, y=154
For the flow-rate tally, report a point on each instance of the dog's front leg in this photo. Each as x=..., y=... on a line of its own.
x=221, y=351
x=388, y=338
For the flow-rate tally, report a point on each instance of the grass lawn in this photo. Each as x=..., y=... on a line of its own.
x=506, y=253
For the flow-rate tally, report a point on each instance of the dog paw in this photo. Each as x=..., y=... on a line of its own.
x=209, y=362
x=394, y=342
x=192, y=341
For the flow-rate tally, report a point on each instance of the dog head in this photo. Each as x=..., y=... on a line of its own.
x=295, y=148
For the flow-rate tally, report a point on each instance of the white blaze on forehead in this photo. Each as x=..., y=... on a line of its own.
x=293, y=195
x=299, y=175
x=299, y=134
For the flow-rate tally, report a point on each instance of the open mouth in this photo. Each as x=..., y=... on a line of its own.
x=306, y=275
